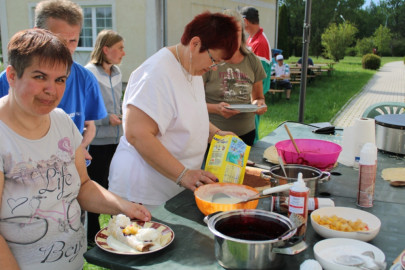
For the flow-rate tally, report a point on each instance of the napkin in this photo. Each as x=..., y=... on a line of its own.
x=354, y=137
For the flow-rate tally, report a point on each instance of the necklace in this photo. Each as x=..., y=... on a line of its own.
x=185, y=72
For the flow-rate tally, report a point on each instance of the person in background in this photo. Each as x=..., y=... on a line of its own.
x=82, y=100
x=106, y=56
x=282, y=73
x=166, y=126
x=238, y=81
x=43, y=178
x=260, y=45
x=310, y=62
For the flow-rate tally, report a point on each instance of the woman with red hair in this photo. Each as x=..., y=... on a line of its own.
x=165, y=116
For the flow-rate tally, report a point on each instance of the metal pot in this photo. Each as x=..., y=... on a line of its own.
x=390, y=133
x=248, y=238
x=312, y=176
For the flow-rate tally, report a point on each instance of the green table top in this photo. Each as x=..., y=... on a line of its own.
x=193, y=245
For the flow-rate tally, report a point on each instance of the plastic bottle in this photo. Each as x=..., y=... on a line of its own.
x=367, y=175
x=298, y=205
x=280, y=204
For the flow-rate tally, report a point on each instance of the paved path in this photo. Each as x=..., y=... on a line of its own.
x=388, y=84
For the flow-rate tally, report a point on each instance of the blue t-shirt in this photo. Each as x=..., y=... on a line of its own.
x=3, y=84
x=82, y=99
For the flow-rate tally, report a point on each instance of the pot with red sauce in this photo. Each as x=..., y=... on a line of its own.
x=245, y=238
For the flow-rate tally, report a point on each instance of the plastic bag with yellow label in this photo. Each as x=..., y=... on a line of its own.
x=227, y=158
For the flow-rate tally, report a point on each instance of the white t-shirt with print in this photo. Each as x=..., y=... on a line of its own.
x=40, y=215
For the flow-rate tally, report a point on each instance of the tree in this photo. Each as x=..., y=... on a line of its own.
x=394, y=16
x=284, y=41
x=323, y=12
x=296, y=12
x=365, y=46
x=382, y=40
x=337, y=38
x=390, y=13
x=367, y=20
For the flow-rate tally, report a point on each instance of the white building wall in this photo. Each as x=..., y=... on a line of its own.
x=139, y=22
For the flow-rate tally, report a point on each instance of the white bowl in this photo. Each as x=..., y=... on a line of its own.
x=327, y=250
x=373, y=223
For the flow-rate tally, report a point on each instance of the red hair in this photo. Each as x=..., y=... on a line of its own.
x=216, y=31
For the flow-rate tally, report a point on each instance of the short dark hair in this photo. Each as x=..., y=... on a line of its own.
x=28, y=44
x=65, y=10
x=216, y=31
x=251, y=14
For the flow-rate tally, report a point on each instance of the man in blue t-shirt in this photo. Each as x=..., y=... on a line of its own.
x=82, y=99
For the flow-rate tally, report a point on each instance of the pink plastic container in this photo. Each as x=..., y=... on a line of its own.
x=316, y=153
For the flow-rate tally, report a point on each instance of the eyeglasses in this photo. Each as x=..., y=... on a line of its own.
x=213, y=61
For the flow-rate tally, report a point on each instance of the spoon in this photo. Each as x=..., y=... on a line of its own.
x=262, y=194
x=292, y=139
x=357, y=261
x=288, y=231
x=297, y=222
x=370, y=254
x=280, y=160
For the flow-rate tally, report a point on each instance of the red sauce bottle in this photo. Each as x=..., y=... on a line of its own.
x=298, y=205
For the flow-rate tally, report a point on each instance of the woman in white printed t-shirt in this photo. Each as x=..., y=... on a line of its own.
x=43, y=178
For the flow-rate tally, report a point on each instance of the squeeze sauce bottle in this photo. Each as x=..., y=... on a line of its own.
x=367, y=175
x=298, y=205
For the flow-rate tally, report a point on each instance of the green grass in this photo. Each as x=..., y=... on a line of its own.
x=103, y=219
x=325, y=96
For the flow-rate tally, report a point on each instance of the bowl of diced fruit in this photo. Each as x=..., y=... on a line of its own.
x=345, y=222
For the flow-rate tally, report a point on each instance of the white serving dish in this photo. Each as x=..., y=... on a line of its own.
x=244, y=107
x=327, y=250
x=373, y=223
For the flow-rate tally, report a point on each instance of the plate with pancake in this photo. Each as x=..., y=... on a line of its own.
x=163, y=236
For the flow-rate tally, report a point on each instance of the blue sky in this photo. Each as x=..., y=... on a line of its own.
x=367, y=2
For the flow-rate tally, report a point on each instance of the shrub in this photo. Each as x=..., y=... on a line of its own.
x=371, y=61
x=364, y=46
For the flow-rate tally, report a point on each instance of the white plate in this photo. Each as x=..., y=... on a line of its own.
x=103, y=240
x=327, y=250
x=244, y=107
x=396, y=266
x=348, y=213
